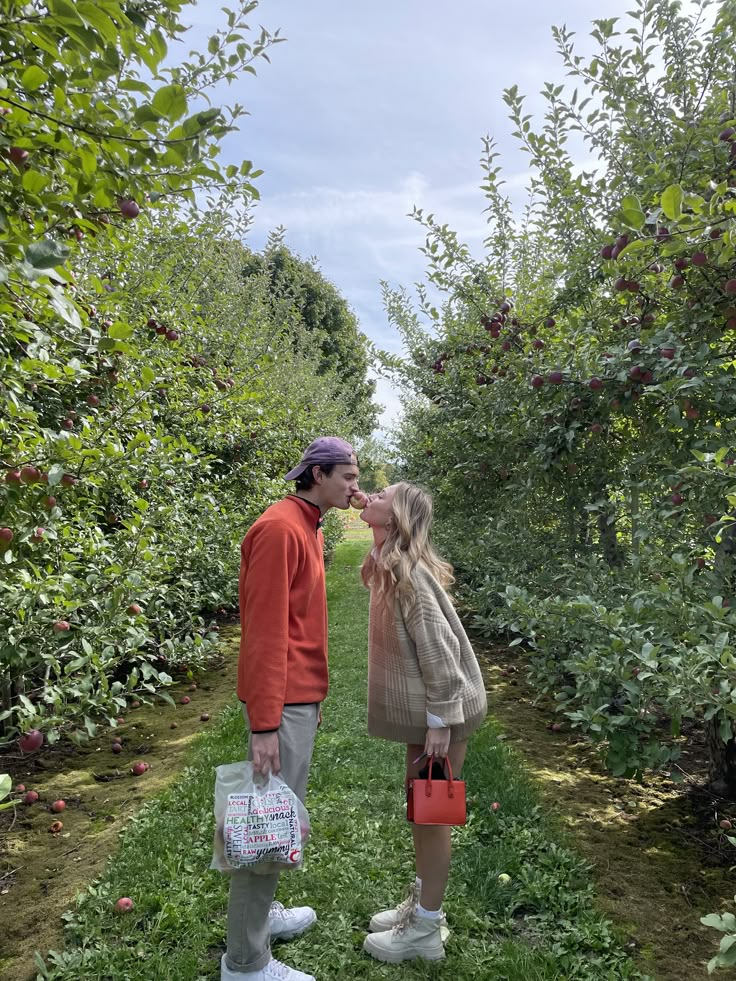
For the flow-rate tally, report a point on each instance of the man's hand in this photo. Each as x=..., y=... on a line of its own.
x=437, y=742
x=265, y=746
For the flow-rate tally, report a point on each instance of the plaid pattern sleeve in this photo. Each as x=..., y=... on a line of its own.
x=438, y=654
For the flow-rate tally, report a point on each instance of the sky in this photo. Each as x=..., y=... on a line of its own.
x=368, y=109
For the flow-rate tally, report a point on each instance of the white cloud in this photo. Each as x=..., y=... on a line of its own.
x=370, y=109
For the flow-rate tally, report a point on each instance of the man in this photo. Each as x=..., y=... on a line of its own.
x=282, y=679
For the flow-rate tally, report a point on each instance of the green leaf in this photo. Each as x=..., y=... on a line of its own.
x=88, y=161
x=6, y=784
x=671, y=201
x=34, y=181
x=200, y=121
x=120, y=332
x=96, y=18
x=33, y=78
x=46, y=254
x=633, y=219
x=636, y=246
x=631, y=203
x=55, y=474
x=64, y=307
x=170, y=101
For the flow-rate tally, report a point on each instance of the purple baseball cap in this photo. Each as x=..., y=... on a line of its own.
x=324, y=449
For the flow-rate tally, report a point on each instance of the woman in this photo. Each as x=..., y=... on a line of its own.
x=425, y=689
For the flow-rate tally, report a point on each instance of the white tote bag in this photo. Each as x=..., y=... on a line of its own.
x=260, y=823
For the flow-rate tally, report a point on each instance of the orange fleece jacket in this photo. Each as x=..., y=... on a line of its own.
x=283, y=612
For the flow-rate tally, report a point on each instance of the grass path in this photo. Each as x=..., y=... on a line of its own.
x=541, y=926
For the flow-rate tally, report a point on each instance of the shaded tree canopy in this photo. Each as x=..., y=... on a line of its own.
x=299, y=292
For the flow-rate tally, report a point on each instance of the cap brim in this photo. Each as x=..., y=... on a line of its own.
x=296, y=472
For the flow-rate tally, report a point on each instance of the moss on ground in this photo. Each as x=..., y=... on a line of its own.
x=658, y=865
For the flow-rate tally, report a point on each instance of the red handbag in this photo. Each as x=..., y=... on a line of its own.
x=436, y=801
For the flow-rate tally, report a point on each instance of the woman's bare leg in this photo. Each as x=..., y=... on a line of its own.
x=432, y=843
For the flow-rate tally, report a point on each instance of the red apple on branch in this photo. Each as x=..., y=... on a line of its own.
x=30, y=742
x=18, y=155
x=128, y=208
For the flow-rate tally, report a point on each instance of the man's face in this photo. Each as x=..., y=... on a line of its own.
x=338, y=487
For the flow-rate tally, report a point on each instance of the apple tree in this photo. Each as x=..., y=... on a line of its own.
x=573, y=400
x=153, y=399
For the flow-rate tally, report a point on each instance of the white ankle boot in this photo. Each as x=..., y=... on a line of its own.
x=388, y=918
x=413, y=936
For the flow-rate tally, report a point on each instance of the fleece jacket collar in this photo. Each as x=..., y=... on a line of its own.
x=310, y=511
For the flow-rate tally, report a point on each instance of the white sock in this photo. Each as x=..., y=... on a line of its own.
x=428, y=914
x=418, y=882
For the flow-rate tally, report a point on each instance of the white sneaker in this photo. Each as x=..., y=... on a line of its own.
x=274, y=971
x=288, y=923
x=413, y=936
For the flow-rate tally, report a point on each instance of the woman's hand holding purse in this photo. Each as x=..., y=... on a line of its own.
x=437, y=742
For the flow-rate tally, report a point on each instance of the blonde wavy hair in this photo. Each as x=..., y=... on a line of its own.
x=406, y=546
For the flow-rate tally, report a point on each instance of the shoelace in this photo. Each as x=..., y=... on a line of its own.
x=277, y=909
x=278, y=970
x=407, y=908
x=404, y=920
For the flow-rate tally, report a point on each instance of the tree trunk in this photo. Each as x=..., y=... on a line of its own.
x=609, y=540
x=722, y=760
x=584, y=530
x=635, y=504
x=6, y=695
x=724, y=564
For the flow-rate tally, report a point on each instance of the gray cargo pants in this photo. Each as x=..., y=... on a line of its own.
x=251, y=895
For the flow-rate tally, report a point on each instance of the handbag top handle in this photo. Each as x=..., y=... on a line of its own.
x=450, y=789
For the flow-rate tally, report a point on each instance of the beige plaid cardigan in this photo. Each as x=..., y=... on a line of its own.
x=420, y=660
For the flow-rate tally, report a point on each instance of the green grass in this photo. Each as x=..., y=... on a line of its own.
x=542, y=926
